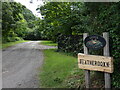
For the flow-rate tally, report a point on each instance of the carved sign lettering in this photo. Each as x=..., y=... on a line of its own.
x=96, y=63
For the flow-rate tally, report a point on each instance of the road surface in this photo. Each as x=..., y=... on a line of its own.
x=21, y=65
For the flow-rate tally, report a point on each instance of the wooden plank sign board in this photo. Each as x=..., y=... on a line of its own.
x=95, y=63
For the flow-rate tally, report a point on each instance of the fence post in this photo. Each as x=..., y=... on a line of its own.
x=87, y=72
x=106, y=53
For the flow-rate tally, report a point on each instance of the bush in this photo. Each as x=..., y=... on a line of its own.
x=11, y=39
x=70, y=44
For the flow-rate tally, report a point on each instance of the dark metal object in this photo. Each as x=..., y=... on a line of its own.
x=94, y=42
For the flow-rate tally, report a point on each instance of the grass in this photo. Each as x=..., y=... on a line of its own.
x=8, y=44
x=48, y=43
x=60, y=71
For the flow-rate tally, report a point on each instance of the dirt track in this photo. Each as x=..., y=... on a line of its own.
x=21, y=64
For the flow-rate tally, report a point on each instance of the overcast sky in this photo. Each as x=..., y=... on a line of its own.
x=31, y=6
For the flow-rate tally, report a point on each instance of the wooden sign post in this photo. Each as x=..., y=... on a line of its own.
x=87, y=72
x=106, y=53
x=95, y=62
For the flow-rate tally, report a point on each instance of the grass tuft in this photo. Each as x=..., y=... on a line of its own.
x=48, y=43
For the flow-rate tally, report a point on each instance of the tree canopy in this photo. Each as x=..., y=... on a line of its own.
x=17, y=21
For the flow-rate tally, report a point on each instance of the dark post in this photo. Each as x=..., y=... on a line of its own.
x=106, y=53
x=87, y=72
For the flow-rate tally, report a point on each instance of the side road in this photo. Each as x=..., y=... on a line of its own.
x=21, y=63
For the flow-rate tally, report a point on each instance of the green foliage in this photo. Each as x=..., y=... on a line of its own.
x=57, y=19
x=116, y=74
x=70, y=44
x=75, y=79
x=106, y=19
x=17, y=19
x=10, y=15
x=21, y=28
x=11, y=39
x=29, y=17
x=71, y=18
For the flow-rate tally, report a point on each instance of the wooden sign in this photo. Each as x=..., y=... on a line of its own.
x=94, y=42
x=94, y=62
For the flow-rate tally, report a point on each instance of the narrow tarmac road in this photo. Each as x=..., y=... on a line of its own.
x=21, y=63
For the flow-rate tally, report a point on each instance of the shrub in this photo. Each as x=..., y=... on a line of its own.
x=70, y=43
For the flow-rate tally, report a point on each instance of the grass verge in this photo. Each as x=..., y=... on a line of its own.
x=60, y=71
x=8, y=44
x=48, y=43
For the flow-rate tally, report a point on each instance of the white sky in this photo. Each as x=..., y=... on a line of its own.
x=32, y=6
